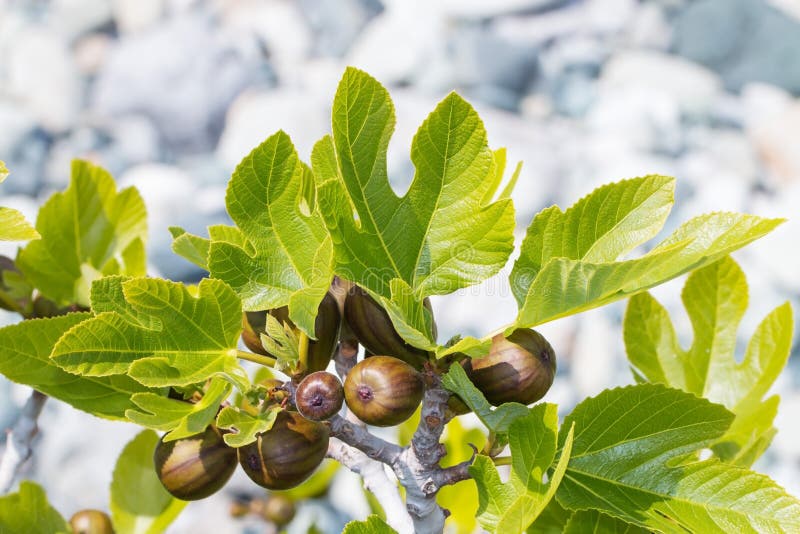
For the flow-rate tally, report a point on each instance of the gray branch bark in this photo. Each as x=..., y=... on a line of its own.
x=20, y=437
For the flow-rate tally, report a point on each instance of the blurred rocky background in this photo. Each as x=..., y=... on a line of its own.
x=169, y=95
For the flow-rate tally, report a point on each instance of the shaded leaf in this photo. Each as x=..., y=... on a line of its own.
x=26, y=360
x=372, y=525
x=594, y=522
x=181, y=418
x=515, y=505
x=29, y=511
x=244, y=426
x=497, y=420
x=139, y=503
x=632, y=459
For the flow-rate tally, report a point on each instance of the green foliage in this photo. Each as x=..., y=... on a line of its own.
x=633, y=457
x=158, y=334
x=599, y=523
x=105, y=236
x=28, y=511
x=513, y=506
x=443, y=234
x=245, y=426
x=139, y=503
x=372, y=525
x=716, y=299
x=286, y=255
x=497, y=420
x=570, y=263
x=182, y=419
x=26, y=360
x=13, y=226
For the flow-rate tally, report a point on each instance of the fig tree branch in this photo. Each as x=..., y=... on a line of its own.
x=376, y=481
x=20, y=437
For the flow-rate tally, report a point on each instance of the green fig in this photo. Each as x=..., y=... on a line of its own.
x=320, y=350
x=286, y=454
x=383, y=390
x=519, y=368
x=91, y=522
x=374, y=330
x=195, y=467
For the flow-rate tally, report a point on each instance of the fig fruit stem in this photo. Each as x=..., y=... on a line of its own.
x=20, y=438
x=502, y=460
x=266, y=361
x=302, y=349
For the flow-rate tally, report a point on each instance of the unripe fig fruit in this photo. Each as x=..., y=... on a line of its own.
x=383, y=391
x=91, y=522
x=519, y=368
x=326, y=329
x=195, y=467
x=286, y=454
x=279, y=510
x=319, y=396
x=374, y=330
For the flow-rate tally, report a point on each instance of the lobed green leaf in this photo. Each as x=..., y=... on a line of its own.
x=160, y=334
x=715, y=298
x=105, y=236
x=443, y=234
x=287, y=255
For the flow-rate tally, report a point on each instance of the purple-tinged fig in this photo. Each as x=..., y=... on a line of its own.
x=519, y=368
x=195, y=467
x=374, y=330
x=286, y=454
x=383, y=390
x=91, y=522
x=319, y=396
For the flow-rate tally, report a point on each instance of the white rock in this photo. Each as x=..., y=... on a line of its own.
x=43, y=78
x=691, y=86
x=779, y=255
x=777, y=140
x=183, y=75
x=255, y=115
x=483, y=9
x=279, y=25
x=91, y=52
x=377, y=50
x=71, y=18
x=134, y=16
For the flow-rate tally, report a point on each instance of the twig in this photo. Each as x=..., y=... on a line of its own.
x=361, y=439
x=18, y=444
x=375, y=481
